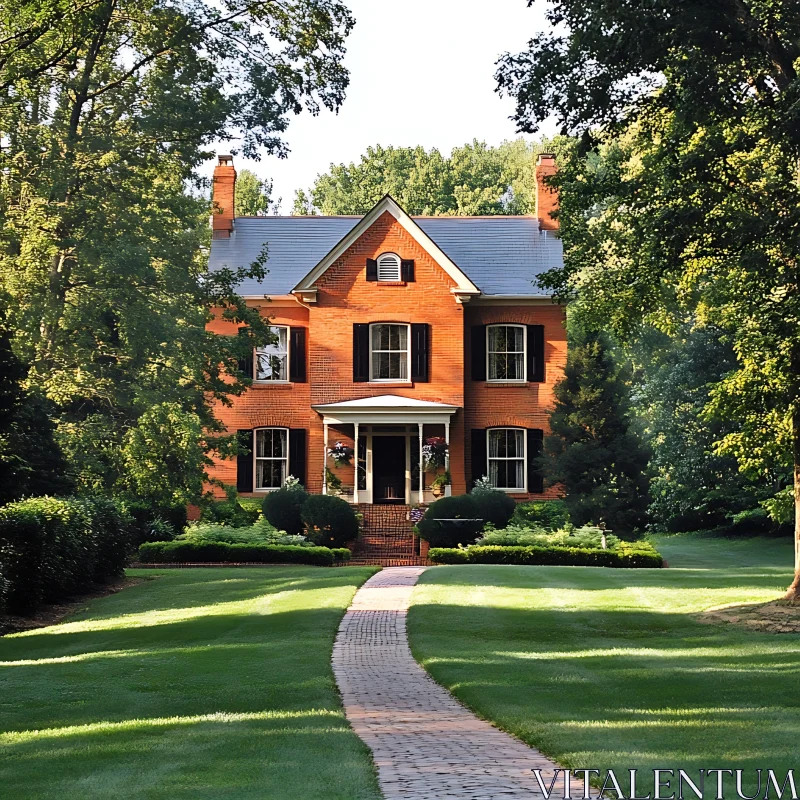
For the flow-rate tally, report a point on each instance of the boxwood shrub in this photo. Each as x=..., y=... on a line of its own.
x=443, y=534
x=494, y=506
x=330, y=521
x=54, y=547
x=630, y=556
x=208, y=552
x=282, y=509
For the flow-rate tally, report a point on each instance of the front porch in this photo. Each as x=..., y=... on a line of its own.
x=384, y=440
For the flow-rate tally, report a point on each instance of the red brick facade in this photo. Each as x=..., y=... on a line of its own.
x=344, y=297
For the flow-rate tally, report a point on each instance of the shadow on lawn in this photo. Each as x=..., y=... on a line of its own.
x=619, y=688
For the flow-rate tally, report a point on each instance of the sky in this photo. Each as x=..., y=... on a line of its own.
x=421, y=73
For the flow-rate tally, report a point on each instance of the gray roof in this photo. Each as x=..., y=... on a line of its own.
x=500, y=255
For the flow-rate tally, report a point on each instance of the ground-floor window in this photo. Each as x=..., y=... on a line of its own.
x=506, y=457
x=271, y=457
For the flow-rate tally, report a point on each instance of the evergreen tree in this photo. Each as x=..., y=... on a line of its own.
x=593, y=450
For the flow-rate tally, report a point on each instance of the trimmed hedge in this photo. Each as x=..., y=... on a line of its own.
x=553, y=556
x=205, y=552
x=54, y=547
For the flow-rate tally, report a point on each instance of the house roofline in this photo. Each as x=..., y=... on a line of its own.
x=388, y=203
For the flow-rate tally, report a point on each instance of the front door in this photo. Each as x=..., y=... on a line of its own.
x=389, y=469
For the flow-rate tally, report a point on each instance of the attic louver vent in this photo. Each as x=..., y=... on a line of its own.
x=389, y=267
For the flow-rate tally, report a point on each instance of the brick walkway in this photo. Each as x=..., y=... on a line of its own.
x=426, y=745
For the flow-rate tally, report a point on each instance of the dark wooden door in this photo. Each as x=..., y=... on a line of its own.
x=388, y=469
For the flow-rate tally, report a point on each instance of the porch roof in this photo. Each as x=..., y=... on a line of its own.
x=389, y=409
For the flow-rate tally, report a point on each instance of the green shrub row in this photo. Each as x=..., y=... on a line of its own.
x=205, y=552
x=54, y=547
x=559, y=556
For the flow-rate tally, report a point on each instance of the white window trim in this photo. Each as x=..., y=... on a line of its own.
x=524, y=377
x=256, y=459
x=399, y=266
x=268, y=381
x=408, y=354
x=524, y=490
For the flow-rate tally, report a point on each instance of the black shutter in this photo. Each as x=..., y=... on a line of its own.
x=479, y=352
x=360, y=352
x=372, y=269
x=535, y=441
x=297, y=454
x=536, y=353
x=407, y=270
x=297, y=355
x=479, y=467
x=420, y=351
x=246, y=364
x=244, y=463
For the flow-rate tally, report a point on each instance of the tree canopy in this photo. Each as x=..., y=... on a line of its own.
x=475, y=179
x=694, y=212
x=107, y=109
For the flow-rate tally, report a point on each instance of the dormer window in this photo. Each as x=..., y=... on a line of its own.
x=389, y=268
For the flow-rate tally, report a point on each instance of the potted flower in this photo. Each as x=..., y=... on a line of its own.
x=434, y=452
x=341, y=454
x=439, y=482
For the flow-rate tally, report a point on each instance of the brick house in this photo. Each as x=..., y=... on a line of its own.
x=393, y=330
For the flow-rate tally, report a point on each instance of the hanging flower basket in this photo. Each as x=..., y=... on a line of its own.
x=434, y=452
x=340, y=454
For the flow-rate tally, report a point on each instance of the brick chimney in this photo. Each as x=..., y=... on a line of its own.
x=546, y=196
x=223, y=194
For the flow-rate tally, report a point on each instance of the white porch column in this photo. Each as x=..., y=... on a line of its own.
x=324, y=458
x=421, y=468
x=355, y=479
x=448, y=490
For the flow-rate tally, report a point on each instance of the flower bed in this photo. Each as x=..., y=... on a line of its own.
x=203, y=552
x=638, y=555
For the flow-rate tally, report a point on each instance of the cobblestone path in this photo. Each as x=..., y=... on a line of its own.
x=426, y=745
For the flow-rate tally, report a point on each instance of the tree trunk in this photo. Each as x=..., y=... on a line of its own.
x=794, y=590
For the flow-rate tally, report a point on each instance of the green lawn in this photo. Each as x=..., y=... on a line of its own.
x=604, y=668
x=204, y=683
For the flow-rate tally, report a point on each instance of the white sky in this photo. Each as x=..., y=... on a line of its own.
x=421, y=72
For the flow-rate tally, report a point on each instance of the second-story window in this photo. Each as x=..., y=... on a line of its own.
x=389, y=352
x=272, y=361
x=505, y=352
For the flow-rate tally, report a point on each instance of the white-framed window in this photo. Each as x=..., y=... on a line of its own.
x=389, y=352
x=505, y=352
x=389, y=268
x=271, y=458
x=272, y=361
x=505, y=448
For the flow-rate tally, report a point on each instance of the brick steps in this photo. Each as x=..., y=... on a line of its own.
x=387, y=538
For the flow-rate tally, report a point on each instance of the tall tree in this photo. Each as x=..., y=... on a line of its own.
x=474, y=179
x=700, y=208
x=593, y=450
x=694, y=486
x=254, y=196
x=107, y=109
